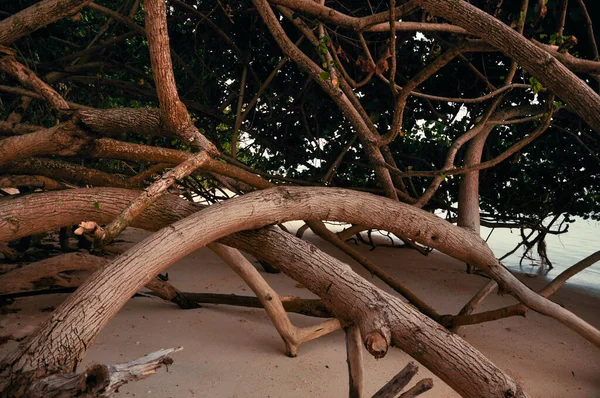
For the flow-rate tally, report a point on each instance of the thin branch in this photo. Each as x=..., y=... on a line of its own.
x=478, y=128
x=590, y=30
x=238, y=118
x=520, y=309
x=477, y=299
x=308, y=307
x=418, y=389
x=265, y=84
x=490, y=95
x=106, y=235
x=27, y=77
x=579, y=140
x=406, y=26
x=338, y=160
x=484, y=165
x=393, y=46
x=354, y=354
x=561, y=16
x=419, y=78
x=398, y=382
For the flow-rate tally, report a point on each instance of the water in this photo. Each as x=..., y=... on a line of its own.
x=563, y=251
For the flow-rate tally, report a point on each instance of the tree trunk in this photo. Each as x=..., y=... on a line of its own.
x=292, y=203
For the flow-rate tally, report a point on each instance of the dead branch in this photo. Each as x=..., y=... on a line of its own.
x=393, y=387
x=269, y=299
x=354, y=359
x=101, y=380
x=308, y=307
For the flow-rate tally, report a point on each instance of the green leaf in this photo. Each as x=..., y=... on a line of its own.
x=96, y=205
x=322, y=49
x=324, y=75
x=536, y=86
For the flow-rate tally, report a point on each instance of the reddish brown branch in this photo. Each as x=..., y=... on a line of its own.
x=28, y=78
x=38, y=15
x=393, y=387
x=520, y=309
x=174, y=114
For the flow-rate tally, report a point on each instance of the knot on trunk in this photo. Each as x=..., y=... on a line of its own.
x=377, y=344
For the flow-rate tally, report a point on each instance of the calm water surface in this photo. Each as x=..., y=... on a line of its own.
x=563, y=251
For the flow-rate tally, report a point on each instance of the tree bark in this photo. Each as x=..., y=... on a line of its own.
x=35, y=17
x=291, y=335
x=64, y=139
x=336, y=205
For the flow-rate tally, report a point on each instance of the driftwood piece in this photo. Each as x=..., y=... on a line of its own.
x=101, y=380
x=309, y=307
x=291, y=335
x=37, y=276
x=418, y=389
x=355, y=361
x=398, y=382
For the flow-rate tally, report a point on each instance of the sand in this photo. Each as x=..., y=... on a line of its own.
x=236, y=352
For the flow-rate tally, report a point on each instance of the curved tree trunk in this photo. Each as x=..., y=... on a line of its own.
x=60, y=342
x=297, y=203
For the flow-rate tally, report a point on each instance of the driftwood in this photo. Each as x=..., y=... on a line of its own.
x=354, y=352
x=309, y=307
x=36, y=277
x=393, y=387
x=100, y=380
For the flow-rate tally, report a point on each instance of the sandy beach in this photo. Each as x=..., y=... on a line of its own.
x=236, y=352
